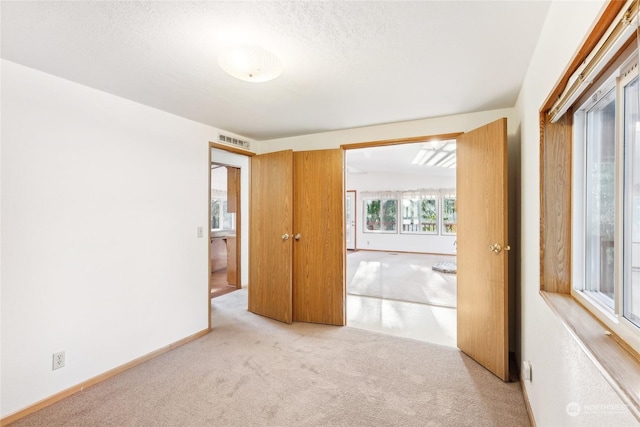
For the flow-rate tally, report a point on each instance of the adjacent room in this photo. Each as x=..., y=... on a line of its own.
x=401, y=240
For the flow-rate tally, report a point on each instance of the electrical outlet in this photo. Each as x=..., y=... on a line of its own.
x=58, y=360
x=526, y=370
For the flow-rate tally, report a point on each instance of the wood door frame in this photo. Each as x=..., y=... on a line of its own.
x=513, y=213
x=248, y=154
x=355, y=217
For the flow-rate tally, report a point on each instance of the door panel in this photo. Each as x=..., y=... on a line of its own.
x=481, y=184
x=318, y=258
x=270, y=292
x=350, y=225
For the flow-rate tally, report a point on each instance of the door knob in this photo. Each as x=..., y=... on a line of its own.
x=285, y=236
x=496, y=248
x=297, y=236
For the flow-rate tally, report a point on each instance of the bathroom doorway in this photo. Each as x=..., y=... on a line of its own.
x=224, y=229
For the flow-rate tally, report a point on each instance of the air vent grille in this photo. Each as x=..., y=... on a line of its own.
x=234, y=141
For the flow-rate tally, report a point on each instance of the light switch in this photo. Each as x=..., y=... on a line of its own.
x=200, y=232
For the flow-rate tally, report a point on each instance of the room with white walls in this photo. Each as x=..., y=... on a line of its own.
x=405, y=242
x=115, y=270
x=102, y=199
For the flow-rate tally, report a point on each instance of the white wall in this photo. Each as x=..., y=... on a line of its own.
x=380, y=181
x=425, y=127
x=101, y=199
x=562, y=372
x=242, y=162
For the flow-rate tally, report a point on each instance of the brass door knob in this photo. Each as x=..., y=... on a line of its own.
x=495, y=248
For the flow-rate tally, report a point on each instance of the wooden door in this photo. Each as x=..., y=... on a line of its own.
x=481, y=192
x=318, y=254
x=270, y=244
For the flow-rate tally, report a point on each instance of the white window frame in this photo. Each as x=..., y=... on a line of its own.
x=420, y=200
x=382, y=200
x=612, y=318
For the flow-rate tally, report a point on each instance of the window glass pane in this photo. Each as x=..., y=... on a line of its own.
x=631, y=233
x=215, y=214
x=449, y=216
x=381, y=215
x=420, y=215
x=410, y=215
x=599, y=198
x=429, y=216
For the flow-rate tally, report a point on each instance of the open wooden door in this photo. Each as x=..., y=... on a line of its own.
x=270, y=242
x=482, y=246
x=318, y=248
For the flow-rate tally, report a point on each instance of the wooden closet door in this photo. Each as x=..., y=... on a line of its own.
x=270, y=242
x=318, y=247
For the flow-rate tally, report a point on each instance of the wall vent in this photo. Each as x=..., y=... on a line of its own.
x=234, y=141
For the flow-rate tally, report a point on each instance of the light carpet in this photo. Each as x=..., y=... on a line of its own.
x=252, y=371
x=401, y=276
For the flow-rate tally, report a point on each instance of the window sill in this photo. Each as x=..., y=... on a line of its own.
x=618, y=363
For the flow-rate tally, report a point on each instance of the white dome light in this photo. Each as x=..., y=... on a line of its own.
x=250, y=63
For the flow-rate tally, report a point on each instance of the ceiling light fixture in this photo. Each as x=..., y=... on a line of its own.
x=434, y=144
x=250, y=63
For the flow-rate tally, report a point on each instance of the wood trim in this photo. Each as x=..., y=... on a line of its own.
x=541, y=194
x=555, y=204
x=209, y=242
x=618, y=363
x=233, y=176
x=239, y=230
x=355, y=210
x=230, y=149
x=398, y=141
x=527, y=404
x=606, y=19
x=98, y=379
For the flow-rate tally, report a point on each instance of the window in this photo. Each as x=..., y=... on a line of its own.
x=607, y=195
x=589, y=185
x=381, y=215
x=449, y=215
x=599, y=183
x=419, y=214
x=631, y=202
x=220, y=218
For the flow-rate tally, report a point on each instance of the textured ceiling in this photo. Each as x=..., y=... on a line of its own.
x=346, y=64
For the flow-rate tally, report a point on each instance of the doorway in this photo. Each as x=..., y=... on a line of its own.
x=404, y=225
x=224, y=210
x=223, y=158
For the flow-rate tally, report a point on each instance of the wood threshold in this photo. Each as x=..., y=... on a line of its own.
x=98, y=379
x=617, y=362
